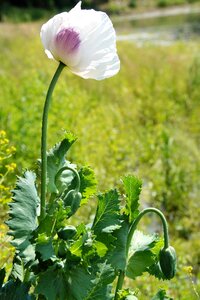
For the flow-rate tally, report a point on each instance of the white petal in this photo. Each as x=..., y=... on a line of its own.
x=98, y=57
x=49, y=30
x=76, y=8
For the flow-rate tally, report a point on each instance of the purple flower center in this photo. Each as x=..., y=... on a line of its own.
x=68, y=39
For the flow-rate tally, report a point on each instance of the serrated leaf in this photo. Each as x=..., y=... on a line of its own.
x=155, y=270
x=142, y=255
x=107, y=213
x=141, y=241
x=138, y=263
x=23, y=216
x=117, y=255
x=52, y=284
x=56, y=160
x=88, y=183
x=18, y=269
x=46, y=250
x=104, y=276
x=161, y=295
x=133, y=187
x=80, y=283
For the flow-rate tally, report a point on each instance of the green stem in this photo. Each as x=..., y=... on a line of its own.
x=130, y=236
x=119, y=283
x=44, y=139
x=135, y=223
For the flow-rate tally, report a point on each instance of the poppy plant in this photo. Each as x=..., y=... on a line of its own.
x=85, y=42
x=55, y=259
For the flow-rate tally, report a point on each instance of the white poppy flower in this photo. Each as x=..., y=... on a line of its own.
x=84, y=40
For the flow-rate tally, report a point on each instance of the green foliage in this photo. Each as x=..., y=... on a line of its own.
x=144, y=253
x=15, y=290
x=88, y=183
x=107, y=215
x=23, y=217
x=132, y=186
x=81, y=262
x=55, y=161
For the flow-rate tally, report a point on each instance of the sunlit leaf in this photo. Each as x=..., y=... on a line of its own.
x=107, y=211
x=143, y=254
x=88, y=183
x=132, y=186
x=56, y=160
x=23, y=216
x=104, y=276
x=117, y=255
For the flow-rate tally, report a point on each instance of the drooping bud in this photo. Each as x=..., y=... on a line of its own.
x=72, y=200
x=67, y=233
x=168, y=261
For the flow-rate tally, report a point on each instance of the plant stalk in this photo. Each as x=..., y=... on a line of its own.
x=136, y=221
x=44, y=140
x=119, y=283
x=130, y=235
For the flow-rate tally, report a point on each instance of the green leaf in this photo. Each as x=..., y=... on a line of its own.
x=80, y=283
x=155, y=270
x=18, y=269
x=100, y=248
x=143, y=254
x=23, y=216
x=161, y=295
x=107, y=213
x=117, y=255
x=56, y=160
x=138, y=263
x=88, y=183
x=45, y=249
x=15, y=290
x=104, y=276
x=133, y=187
x=52, y=284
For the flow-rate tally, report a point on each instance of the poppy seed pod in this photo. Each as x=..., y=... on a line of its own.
x=84, y=40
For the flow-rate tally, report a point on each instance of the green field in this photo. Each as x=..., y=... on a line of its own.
x=143, y=121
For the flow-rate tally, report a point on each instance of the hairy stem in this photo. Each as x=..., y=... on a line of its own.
x=44, y=139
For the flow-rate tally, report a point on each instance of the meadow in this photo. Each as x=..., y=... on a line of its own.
x=144, y=121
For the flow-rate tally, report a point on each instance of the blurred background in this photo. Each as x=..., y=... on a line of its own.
x=144, y=121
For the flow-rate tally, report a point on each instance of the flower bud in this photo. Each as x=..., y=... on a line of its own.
x=73, y=200
x=167, y=260
x=67, y=232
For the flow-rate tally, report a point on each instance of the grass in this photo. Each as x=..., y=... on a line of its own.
x=144, y=121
